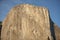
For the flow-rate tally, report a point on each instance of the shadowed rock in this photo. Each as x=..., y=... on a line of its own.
x=57, y=32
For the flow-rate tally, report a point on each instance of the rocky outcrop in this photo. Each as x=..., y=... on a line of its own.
x=0, y=29
x=57, y=32
x=27, y=22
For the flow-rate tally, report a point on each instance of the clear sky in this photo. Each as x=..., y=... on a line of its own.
x=52, y=5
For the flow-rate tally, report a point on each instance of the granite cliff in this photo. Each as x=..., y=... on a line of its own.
x=28, y=22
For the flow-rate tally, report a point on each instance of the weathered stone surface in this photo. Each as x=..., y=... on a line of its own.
x=0, y=29
x=26, y=22
x=57, y=32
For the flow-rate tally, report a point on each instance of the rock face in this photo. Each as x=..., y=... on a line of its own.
x=57, y=32
x=0, y=29
x=26, y=22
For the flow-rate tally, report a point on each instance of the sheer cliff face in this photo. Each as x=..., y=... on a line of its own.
x=26, y=22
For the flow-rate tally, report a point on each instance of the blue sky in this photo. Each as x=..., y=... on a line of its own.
x=52, y=5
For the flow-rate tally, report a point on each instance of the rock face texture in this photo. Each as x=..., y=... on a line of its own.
x=57, y=32
x=0, y=29
x=26, y=22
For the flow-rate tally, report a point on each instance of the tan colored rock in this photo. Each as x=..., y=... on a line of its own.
x=57, y=32
x=26, y=22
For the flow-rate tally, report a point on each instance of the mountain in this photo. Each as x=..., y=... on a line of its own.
x=57, y=32
x=0, y=29
x=28, y=22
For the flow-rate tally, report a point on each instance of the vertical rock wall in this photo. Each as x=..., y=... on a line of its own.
x=26, y=22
